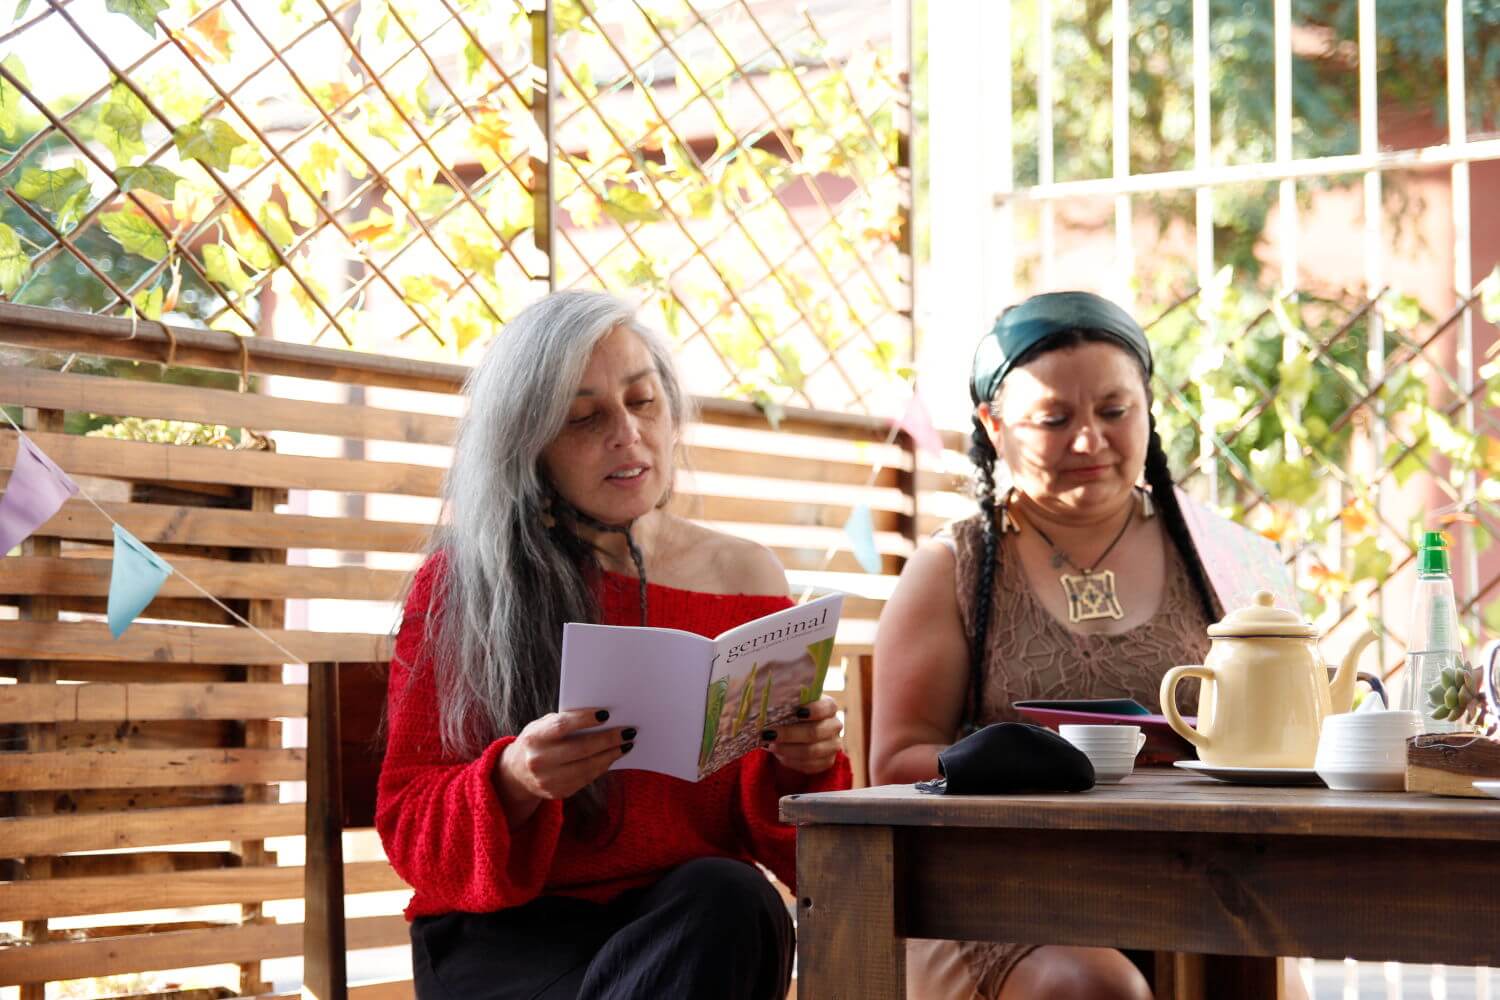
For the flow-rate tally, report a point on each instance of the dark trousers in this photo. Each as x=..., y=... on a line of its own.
x=712, y=928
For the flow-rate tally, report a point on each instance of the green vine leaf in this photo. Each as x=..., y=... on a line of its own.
x=212, y=142
x=149, y=302
x=13, y=261
x=1371, y=562
x=120, y=123
x=223, y=268
x=274, y=221
x=20, y=10
x=152, y=177
x=136, y=233
x=61, y=192
x=10, y=97
x=625, y=204
x=142, y=12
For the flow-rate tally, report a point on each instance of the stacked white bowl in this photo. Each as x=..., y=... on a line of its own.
x=1111, y=749
x=1366, y=751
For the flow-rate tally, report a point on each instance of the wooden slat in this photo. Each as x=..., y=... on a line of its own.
x=180, y=949
x=49, y=769
x=90, y=577
x=61, y=897
x=140, y=702
x=814, y=470
x=137, y=460
x=127, y=397
x=160, y=524
x=384, y=989
x=60, y=834
x=182, y=644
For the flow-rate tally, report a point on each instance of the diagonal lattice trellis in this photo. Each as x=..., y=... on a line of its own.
x=404, y=177
x=1283, y=414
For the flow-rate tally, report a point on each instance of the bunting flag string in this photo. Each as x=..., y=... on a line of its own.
x=37, y=490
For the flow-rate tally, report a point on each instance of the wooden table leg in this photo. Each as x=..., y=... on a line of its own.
x=1184, y=976
x=846, y=915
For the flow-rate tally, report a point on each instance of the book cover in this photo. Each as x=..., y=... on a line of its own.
x=698, y=703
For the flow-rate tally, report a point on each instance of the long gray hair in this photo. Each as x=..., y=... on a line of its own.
x=514, y=573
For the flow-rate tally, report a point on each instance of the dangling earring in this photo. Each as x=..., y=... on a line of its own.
x=548, y=521
x=1007, y=523
x=1148, y=509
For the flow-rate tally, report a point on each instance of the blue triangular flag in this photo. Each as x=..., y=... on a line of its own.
x=136, y=576
x=861, y=532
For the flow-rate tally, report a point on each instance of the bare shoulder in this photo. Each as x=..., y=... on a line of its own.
x=933, y=566
x=728, y=564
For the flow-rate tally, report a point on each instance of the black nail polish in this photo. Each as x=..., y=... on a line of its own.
x=768, y=734
x=625, y=748
x=602, y=715
x=804, y=712
x=628, y=734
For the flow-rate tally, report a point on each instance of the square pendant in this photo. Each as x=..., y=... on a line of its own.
x=1091, y=596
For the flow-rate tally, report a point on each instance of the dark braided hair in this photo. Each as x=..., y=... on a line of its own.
x=1163, y=494
x=982, y=454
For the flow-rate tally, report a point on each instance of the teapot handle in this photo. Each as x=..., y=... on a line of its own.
x=1169, y=701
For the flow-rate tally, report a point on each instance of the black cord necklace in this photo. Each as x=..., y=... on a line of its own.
x=1091, y=595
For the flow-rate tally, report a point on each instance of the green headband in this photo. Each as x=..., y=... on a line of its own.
x=1023, y=328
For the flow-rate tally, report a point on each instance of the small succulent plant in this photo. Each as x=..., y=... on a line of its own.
x=1456, y=697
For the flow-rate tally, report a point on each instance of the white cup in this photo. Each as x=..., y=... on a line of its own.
x=1365, y=751
x=1111, y=749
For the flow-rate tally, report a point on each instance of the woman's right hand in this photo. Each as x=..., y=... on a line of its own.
x=551, y=759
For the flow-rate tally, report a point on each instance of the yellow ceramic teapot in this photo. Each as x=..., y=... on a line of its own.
x=1265, y=689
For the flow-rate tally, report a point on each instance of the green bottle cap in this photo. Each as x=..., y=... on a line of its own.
x=1434, y=554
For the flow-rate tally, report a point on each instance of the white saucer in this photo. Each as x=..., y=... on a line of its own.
x=1253, y=775
x=1488, y=787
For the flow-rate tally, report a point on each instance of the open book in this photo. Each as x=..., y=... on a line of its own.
x=699, y=703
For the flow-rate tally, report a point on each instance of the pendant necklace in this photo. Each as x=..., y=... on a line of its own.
x=1091, y=594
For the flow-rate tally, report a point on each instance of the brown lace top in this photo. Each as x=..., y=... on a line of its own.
x=1032, y=655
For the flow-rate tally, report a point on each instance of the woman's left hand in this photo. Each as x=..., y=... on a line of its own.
x=811, y=744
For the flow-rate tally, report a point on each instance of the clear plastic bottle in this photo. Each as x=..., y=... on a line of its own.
x=1438, y=684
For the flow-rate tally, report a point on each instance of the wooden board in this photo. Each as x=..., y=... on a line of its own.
x=138, y=461
x=126, y=702
x=70, y=769
x=157, y=524
x=130, y=398
x=101, y=831
x=181, y=949
x=182, y=644
x=225, y=580
x=59, y=897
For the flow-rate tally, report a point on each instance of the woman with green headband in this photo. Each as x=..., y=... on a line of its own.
x=1080, y=580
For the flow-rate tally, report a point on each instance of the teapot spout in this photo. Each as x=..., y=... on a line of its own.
x=1341, y=688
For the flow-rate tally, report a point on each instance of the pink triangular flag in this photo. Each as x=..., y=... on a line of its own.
x=36, y=490
x=916, y=422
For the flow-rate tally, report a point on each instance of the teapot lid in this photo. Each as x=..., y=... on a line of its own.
x=1262, y=618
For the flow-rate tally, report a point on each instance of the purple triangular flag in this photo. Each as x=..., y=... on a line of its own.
x=916, y=422
x=36, y=490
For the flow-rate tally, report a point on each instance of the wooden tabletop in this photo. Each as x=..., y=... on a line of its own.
x=1164, y=799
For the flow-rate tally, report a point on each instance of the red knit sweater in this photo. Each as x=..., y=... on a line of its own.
x=447, y=835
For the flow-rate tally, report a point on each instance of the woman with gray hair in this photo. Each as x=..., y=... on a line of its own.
x=538, y=871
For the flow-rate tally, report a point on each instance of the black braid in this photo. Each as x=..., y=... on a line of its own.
x=982, y=454
x=1163, y=493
